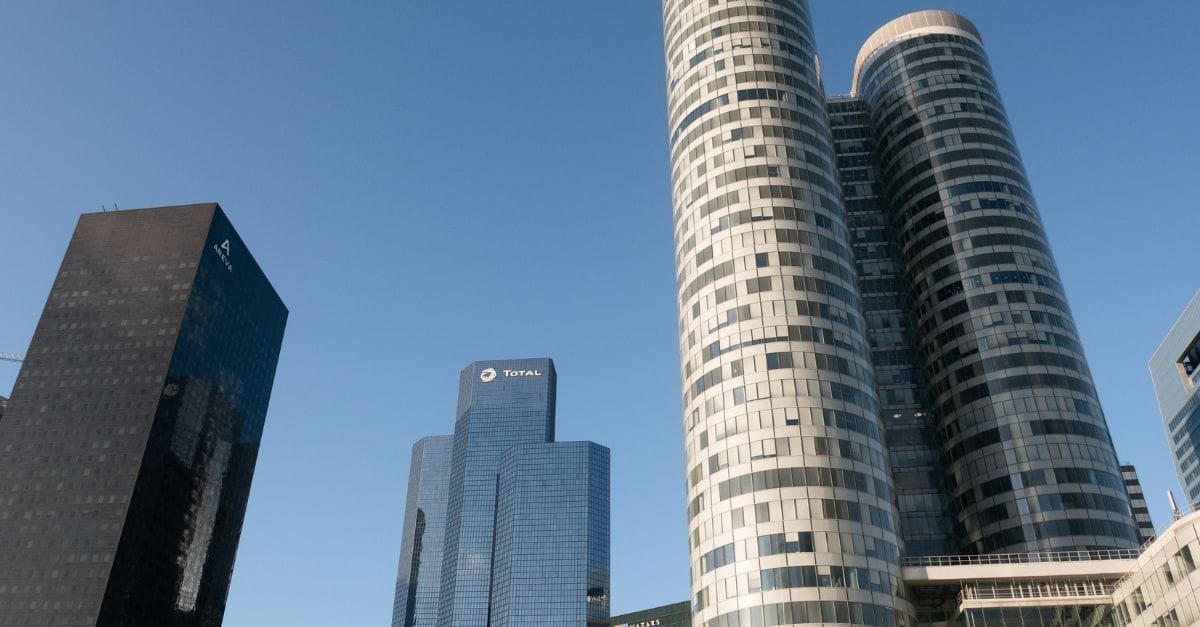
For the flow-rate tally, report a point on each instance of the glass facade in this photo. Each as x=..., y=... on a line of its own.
x=526, y=538
x=1173, y=369
x=910, y=425
x=496, y=411
x=551, y=564
x=419, y=576
x=135, y=423
x=1024, y=443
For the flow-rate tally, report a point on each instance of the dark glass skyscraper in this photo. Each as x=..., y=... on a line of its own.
x=133, y=429
x=1024, y=444
x=419, y=577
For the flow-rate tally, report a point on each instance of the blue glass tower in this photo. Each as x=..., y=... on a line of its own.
x=419, y=576
x=519, y=522
x=501, y=404
x=551, y=564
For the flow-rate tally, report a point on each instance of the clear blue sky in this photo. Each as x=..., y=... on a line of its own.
x=428, y=183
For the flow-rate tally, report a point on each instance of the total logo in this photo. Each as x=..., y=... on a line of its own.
x=489, y=374
x=223, y=252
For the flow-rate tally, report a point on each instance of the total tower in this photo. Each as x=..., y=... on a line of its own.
x=876, y=351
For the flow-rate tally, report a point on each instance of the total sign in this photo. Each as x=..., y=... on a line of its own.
x=489, y=374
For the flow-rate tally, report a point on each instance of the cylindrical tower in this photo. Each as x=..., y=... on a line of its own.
x=790, y=513
x=1023, y=436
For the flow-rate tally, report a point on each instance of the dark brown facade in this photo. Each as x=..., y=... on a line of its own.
x=127, y=448
x=673, y=615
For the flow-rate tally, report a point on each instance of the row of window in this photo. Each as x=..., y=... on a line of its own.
x=855, y=578
x=1036, y=478
x=1008, y=538
x=1019, y=382
x=797, y=477
x=805, y=612
x=915, y=144
x=861, y=542
x=1051, y=503
x=794, y=445
x=1023, y=429
x=676, y=27
x=879, y=75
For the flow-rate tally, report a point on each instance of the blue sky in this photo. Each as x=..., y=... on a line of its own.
x=429, y=183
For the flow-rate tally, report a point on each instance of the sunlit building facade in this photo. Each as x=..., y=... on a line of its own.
x=1175, y=371
x=876, y=351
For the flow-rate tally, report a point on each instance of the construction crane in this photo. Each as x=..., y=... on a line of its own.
x=12, y=357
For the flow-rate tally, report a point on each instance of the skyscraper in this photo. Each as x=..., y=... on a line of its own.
x=883, y=281
x=783, y=441
x=496, y=411
x=134, y=425
x=419, y=577
x=1175, y=371
x=1024, y=443
x=551, y=536
x=521, y=522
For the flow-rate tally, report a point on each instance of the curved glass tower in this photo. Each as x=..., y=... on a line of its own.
x=1024, y=442
x=790, y=504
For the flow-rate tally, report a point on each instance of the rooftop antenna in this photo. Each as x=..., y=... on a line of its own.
x=1174, y=507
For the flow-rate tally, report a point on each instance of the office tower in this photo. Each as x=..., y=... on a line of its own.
x=419, y=576
x=495, y=412
x=1137, y=503
x=134, y=425
x=551, y=536
x=1024, y=441
x=1174, y=372
x=851, y=272
x=782, y=434
x=673, y=615
x=527, y=519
